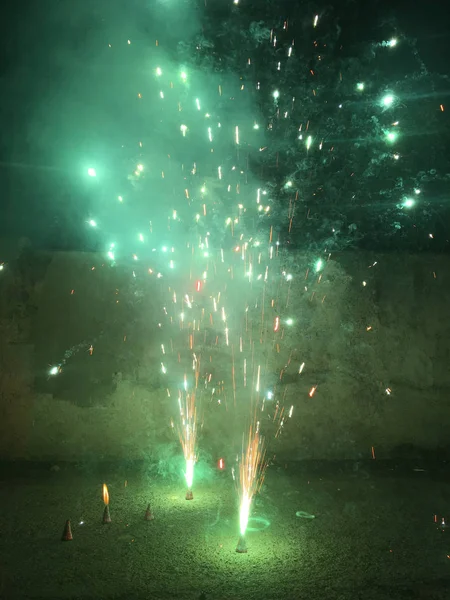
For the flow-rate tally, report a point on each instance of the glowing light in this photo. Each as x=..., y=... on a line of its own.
x=360, y=87
x=408, y=202
x=92, y=223
x=92, y=172
x=391, y=136
x=388, y=100
x=319, y=265
x=158, y=71
x=289, y=321
x=308, y=142
x=276, y=94
x=221, y=464
x=54, y=371
x=105, y=494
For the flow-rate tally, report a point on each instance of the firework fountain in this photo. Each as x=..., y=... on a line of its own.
x=187, y=431
x=215, y=254
x=189, y=214
x=219, y=270
x=252, y=467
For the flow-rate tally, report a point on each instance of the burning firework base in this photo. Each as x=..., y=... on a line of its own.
x=106, y=516
x=241, y=547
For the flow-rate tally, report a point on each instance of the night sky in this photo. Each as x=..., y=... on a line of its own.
x=69, y=102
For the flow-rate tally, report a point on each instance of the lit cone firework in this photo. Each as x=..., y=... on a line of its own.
x=252, y=467
x=241, y=547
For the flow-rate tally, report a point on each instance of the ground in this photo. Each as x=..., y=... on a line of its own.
x=377, y=534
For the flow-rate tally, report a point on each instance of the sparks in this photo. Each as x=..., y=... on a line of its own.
x=187, y=433
x=252, y=467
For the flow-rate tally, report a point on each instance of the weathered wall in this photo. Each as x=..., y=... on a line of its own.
x=374, y=335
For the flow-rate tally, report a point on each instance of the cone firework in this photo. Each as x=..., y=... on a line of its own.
x=242, y=545
x=67, y=533
x=148, y=514
x=106, y=516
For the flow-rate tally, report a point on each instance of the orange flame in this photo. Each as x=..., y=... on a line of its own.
x=105, y=494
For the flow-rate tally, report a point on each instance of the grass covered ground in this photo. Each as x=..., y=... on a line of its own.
x=374, y=534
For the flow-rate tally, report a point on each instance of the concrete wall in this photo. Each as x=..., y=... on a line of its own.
x=374, y=335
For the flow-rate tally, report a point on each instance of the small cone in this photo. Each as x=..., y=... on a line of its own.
x=67, y=533
x=242, y=546
x=106, y=515
x=148, y=514
x=189, y=495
